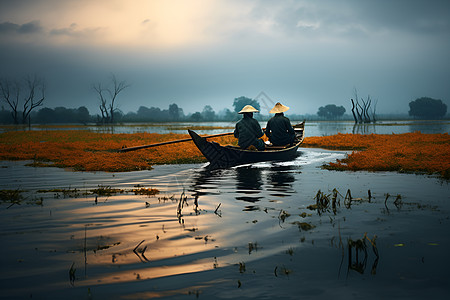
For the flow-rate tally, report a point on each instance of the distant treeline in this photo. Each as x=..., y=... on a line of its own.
x=174, y=113
x=143, y=114
x=52, y=115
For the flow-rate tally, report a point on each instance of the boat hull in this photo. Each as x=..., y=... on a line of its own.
x=222, y=157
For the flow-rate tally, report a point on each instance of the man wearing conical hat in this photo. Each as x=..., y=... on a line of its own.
x=248, y=131
x=279, y=129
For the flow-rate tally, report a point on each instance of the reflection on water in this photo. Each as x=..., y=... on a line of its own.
x=249, y=183
x=246, y=232
x=429, y=126
x=313, y=128
x=364, y=128
x=336, y=127
x=248, y=180
x=281, y=178
x=203, y=181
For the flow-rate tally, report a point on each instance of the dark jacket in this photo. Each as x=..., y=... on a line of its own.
x=279, y=130
x=247, y=131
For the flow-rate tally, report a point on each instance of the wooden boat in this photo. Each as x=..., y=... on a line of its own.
x=222, y=157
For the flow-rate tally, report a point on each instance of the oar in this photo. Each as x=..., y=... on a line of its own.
x=170, y=142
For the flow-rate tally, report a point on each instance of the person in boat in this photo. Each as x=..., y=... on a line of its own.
x=248, y=131
x=279, y=129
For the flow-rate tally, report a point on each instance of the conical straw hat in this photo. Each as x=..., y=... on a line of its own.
x=248, y=108
x=278, y=108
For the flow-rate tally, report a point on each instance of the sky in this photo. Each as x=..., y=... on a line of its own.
x=304, y=54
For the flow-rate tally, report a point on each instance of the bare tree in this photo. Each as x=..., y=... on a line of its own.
x=103, y=106
x=374, y=108
x=34, y=85
x=365, y=109
x=10, y=94
x=32, y=88
x=107, y=109
x=361, y=112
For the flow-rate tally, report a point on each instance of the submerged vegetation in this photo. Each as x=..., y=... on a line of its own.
x=17, y=196
x=89, y=151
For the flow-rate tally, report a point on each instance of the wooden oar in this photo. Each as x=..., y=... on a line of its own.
x=170, y=142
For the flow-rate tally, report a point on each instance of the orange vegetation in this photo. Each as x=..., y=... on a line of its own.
x=408, y=152
x=90, y=151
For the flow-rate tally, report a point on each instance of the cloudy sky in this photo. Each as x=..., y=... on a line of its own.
x=305, y=54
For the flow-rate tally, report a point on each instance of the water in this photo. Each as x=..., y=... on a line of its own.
x=244, y=232
x=242, y=239
x=312, y=128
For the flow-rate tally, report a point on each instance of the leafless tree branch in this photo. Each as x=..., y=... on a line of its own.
x=107, y=110
x=11, y=93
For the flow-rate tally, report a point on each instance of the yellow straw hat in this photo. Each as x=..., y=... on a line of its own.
x=278, y=108
x=248, y=108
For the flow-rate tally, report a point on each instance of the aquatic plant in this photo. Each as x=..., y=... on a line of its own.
x=408, y=152
x=72, y=271
x=359, y=245
x=106, y=191
x=11, y=195
x=67, y=193
x=283, y=215
x=90, y=151
x=145, y=191
x=140, y=253
x=241, y=267
x=282, y=271
x=303, y=225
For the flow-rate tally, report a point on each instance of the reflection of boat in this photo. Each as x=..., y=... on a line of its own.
x=221, y=157
x=248, y=180
x=249, y=183
x=281, y=179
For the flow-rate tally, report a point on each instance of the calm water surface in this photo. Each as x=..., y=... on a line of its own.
x=313, y=128
x=237, y=234
x=245, y=232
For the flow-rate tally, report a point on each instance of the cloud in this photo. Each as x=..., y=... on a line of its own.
x=32, y=27
x=8, y=27
x=310, y=53
x=353, y=18
x=73, y=32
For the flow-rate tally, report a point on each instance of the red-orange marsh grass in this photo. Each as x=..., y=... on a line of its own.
x=408, y=152
x=90, y=151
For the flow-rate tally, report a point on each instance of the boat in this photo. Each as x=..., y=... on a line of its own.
x=223, y=157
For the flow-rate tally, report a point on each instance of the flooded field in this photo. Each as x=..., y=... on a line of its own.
x=254, y=231
x=312, y=128
x=285, y=230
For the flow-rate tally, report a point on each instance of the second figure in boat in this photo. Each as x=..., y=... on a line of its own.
x=279, y=129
